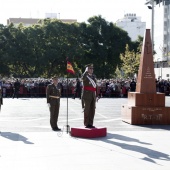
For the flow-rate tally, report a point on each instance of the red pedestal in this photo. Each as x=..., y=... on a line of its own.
x=88, y=133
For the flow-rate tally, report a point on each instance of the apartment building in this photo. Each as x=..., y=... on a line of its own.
x=133, y=25
x=166, y=36
x=31, y=21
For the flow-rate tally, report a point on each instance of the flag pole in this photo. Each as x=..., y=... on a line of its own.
x=67, y=126
x=69, y=70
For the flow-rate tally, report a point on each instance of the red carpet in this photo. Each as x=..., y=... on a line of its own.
x=88, y=133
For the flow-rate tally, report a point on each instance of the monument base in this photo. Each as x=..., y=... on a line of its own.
x=146, y=99
x=88, y=133
x=141, y=115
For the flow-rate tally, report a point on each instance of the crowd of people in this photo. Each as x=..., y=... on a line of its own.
x=31, y=87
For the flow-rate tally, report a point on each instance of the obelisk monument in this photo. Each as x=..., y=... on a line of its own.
x=146, y=106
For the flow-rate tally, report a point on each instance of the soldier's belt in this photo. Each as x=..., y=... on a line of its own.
x=89, y=88
x=55, y=97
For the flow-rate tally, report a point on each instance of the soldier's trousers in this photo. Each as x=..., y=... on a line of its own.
x=54, y=112
x=89, y=111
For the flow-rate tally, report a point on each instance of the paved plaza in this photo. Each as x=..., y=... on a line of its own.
x=27, y=141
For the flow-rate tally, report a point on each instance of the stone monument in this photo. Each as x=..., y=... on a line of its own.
x=146, y=106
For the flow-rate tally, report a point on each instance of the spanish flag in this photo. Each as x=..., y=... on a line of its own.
x=70, y=68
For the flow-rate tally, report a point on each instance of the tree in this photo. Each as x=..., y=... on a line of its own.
x=136, y=45
x=102, y=42
x=4, y=69
x=42, y=49
x=130, y=62
x=38, y=50
x=61, y=42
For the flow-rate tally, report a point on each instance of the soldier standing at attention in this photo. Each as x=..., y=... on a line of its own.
x=53, y=94
x=89, y=96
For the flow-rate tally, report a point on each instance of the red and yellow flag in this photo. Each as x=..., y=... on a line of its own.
x=70, y=68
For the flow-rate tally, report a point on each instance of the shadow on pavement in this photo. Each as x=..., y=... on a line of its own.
x=150, y=153
x=124, y=138
x=157, y=127
x=15, y=137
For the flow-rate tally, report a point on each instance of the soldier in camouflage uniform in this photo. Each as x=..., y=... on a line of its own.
x=89, y=96
x=53, y=94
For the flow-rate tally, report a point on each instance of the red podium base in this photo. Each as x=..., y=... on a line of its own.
x=88, y=133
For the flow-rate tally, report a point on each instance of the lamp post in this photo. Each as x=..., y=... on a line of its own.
x=152, y=26
x=160, y=67
x=151, y=6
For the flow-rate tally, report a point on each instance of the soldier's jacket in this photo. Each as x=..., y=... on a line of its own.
x=87, y=94
x=52, y=90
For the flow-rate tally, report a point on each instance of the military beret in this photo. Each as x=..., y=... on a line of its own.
x=89, y=65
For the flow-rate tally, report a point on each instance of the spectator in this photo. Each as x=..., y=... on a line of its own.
x=16, y=89
x=77, y=89
x=133, y=86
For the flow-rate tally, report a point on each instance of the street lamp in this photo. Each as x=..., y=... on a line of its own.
x=160, y=66
x=150, y=4
x=152, y=26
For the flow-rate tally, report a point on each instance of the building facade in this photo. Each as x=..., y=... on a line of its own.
x=133, y=25
x=166, y=36
x=32, y=21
